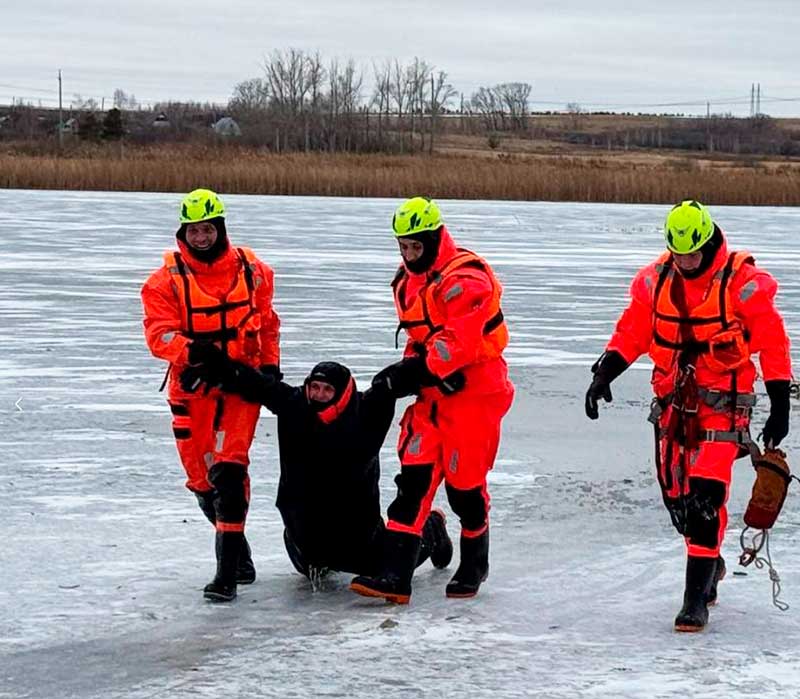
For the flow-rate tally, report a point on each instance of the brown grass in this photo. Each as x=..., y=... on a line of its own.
x=624, y=177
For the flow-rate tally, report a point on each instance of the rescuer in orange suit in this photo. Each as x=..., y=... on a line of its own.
x=211, y=299
x=448, y=302
x=701, y=311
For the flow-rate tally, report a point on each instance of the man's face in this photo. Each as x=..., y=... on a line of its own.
x=689, y=262
x=321, y=391
x=201, y=236
x=411, y=250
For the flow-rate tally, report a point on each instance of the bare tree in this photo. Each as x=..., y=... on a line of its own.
x=417, y=73
x=441, y=94
x=575, y=111
x=487, y=103
x=287, y=77
x=249, y=96
x=382, y=94
x=514, y=99
x=84, y=105
x=399, y=92
x=503, y=106
x=124, y=101
x=351, y=81
x=312, y=121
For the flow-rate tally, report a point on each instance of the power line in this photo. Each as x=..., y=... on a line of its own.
x=28, y=89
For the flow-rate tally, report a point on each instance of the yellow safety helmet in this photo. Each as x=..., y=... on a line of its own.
x=416, y=215
x=688, y=227
x=201, y=205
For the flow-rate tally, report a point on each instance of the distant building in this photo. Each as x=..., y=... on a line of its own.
x=71, y=126
x=226, y=127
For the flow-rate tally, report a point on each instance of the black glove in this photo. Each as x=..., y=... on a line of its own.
x=777, y=424
x=409, y=375
x=403, y=378
x=251, y=384
x=205, y=352
x=193, y=377
x=206, y=367
x=452, y=383
x=607, y=368
x=272, y=371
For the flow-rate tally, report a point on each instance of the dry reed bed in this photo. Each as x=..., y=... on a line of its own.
x=597, y=179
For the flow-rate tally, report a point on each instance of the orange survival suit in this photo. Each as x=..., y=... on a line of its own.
x=228, y=302
x=451, y=314
x=712, y=324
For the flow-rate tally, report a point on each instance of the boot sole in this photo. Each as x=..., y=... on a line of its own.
x=388, y=596
x=245, y=581
x=461, y=595
x=685, y=628
x=215, y=597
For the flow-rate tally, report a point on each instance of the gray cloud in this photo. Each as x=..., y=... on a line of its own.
x=611, y=53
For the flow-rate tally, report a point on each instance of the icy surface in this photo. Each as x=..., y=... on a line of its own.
x=105, y=554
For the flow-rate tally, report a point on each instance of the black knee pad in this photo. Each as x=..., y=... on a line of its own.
x=231, y=502
x=413, y=482
x=469, y=505
x=705, y=498
x=206, y=502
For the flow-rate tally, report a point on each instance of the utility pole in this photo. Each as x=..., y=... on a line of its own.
x=60, y=122
x=758, y=100
x=752, y=100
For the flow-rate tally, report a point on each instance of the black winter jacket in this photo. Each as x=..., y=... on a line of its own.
x=328, y=493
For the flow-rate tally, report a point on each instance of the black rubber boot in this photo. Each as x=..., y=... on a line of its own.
x=719, y=574
x=437, y=540
x=699, y=578
x=394, y=582
x=246, y=572
x=473, y=568
x=223, y=587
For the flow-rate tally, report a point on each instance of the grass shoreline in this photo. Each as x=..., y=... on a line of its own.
x=629, y=177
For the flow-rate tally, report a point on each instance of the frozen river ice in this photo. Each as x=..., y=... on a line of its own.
x=105, y=554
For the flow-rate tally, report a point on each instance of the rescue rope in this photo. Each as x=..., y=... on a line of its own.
x=750, y=555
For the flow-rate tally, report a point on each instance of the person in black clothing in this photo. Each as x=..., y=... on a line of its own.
x=329, y=437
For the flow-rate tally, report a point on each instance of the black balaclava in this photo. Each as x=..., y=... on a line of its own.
x=709, y=250
x=220, y=245
x=337, y=375
x=430, y=250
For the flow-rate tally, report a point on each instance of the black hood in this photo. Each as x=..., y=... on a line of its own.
x=430, y=250
x=337, y=375
x=216, y=250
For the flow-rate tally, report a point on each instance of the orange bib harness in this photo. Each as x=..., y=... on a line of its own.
x=709, y=331
x=708, y=335
x=422, y=319
x=231, y=320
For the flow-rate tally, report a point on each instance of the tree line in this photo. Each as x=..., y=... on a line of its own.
x=301, y=102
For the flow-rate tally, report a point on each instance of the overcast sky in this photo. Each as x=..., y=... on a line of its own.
x=616, y=55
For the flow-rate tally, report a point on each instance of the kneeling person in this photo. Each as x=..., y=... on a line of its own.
x=329, y=436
